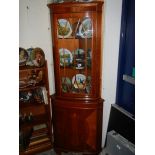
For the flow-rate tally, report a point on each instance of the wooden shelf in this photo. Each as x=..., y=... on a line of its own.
x=32, y=112
x=32, y=104
x=35, y=120
x=22, y=68
x=31, y=87
x=40, y=148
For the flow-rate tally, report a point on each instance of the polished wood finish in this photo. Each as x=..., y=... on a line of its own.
x=41, y=112
x=77, y=114
x=77, y=125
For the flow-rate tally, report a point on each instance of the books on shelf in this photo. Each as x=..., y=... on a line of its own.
x=39, y=140
x=40, y=131
x=39, y=135
x=39, y=126
x=45, y=97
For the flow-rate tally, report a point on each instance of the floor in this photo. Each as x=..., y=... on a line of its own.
x=51, y=152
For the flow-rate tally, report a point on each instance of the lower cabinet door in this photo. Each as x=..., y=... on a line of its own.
x=77, y=128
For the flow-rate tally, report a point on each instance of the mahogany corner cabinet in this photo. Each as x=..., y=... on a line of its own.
x=77, y=105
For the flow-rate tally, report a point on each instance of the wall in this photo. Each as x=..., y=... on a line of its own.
x=112, y=23
x=34, y=30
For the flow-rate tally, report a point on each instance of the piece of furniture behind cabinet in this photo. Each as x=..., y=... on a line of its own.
x=34, y=110
x=77, y=105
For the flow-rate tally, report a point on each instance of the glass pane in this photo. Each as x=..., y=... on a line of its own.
x=75, y=54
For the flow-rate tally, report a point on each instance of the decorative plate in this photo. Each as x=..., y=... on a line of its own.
x=79, y=81
x=38, y=57
x=23, y=56
x=64, y=28
x=29, y=61
x=66, y=57
x=66, y=84
x=85, y=29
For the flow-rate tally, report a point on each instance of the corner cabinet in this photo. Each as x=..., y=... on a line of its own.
x=77, y=105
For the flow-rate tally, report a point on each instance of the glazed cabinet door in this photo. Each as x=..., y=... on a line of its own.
x=75, y=54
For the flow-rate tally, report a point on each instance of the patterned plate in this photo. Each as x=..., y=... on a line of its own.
x=85, y=29
x=38, y=57
x=23, y=56
x=79, y=81
x=66, y=57
x=64, y=28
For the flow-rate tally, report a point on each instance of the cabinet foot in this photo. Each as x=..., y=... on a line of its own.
x=58, y=153
x=91, y=154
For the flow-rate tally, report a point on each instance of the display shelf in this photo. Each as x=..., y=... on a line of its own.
x=31, y=87
x=26, y=67
x=31, y=104
x=35, y=120
x=34, y=106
